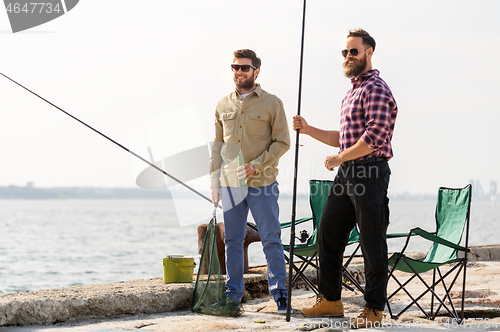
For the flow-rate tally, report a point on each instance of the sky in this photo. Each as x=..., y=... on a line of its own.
x=121, y=66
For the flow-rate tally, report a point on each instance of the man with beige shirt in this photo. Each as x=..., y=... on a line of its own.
x=251, y=134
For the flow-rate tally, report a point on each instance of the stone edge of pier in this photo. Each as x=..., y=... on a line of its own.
x=144, y=296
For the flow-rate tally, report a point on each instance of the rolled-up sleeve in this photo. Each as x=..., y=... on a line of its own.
x=378, y=106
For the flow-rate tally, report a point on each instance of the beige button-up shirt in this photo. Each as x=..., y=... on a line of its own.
x=255, y=126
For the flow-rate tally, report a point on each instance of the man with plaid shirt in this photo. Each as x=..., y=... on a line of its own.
x=358, y=196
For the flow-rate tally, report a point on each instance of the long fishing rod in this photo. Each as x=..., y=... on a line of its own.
x=294, y=199
x=108, y=138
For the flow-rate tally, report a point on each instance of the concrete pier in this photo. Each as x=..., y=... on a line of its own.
x=131, y=304
x=57, y=305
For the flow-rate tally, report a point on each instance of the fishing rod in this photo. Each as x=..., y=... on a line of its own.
x=294, y=198
x=110, y=139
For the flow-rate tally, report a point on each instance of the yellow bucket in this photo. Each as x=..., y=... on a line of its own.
x=178, y=268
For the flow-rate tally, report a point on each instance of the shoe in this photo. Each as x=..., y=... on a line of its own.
x=281, y=303
x=368, y=318
x=233, y=309
x=325, y=308
x=226, y=306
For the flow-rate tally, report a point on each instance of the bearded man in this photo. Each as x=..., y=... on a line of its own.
x=251, y=134
x=358, y=196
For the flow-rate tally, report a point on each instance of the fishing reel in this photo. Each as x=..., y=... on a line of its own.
x=303, y=236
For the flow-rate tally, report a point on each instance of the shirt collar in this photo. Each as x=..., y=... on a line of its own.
x=365, y=76
x=258, y=91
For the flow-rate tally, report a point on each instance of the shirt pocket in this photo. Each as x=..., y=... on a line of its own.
x=355, y=110
x=228, y=123
x=258, y=124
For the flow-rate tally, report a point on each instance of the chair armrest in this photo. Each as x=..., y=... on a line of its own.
x=434, y=238
x=398, y=235
x=298, y=221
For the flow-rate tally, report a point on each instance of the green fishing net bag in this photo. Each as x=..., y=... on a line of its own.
x=209, y=295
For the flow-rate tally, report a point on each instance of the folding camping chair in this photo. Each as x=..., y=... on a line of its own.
x=452, y=220
x=307, y=252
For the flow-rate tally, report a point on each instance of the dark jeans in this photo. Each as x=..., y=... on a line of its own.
x=358, y=197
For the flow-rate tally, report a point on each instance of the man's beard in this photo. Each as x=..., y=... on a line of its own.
x=246, y=84
x=355, y=70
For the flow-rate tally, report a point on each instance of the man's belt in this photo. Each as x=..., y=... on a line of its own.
x=363, y=162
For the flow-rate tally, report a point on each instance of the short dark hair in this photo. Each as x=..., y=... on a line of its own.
x=248, y=54
x=367, y=39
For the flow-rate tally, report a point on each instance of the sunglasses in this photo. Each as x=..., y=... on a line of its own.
x=353, y=51
x=244, y=68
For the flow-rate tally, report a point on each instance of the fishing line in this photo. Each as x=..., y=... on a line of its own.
x=110, y=139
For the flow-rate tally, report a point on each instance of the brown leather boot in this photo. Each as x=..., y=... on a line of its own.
x=325, y=308
x=368, y=318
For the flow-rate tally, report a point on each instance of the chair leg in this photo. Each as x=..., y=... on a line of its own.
x=299, y=272
x=302, y=268
x=388, y=278
x=352, y=256
x=389, y=308
x=452, y=312
x=356, y=284
x=430, y=289
x=349, y=276
x=447, y=292
x=463, y=265
x=414, y=301
x=432, y=297
x=402, y=286
x=463, y=288
x=349, y=287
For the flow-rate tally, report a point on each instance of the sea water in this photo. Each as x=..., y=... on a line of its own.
x=58, y=243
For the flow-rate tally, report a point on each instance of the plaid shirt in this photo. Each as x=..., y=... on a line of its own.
x=368, y=114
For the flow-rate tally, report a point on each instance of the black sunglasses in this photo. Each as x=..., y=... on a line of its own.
x=353, y=51
x=244, y=68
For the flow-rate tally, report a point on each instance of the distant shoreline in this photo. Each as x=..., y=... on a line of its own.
x=31, y=192
x=15, y=192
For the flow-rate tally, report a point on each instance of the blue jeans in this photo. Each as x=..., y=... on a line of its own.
x=263, y=202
